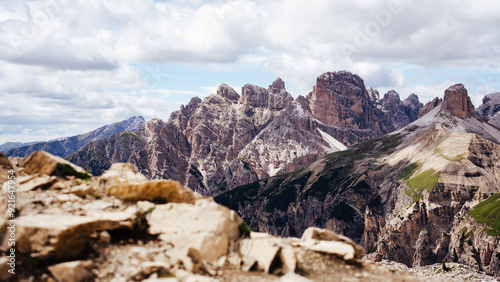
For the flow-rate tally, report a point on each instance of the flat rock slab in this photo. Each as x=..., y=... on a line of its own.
x=48, y=235
x=204, y=216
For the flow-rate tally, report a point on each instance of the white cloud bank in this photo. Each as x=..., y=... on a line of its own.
x=67, y=66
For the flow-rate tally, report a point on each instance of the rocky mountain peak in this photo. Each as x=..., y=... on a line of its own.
x=412, y=101
x=254, y=95
x=373, y=95
x=274, y=98
x=412, y=106
x=429, y=106
x=490, y=108
x=181, y=117
x=457, y=102
x=340, y=99
x=391, y=96
x=227, y=91
x=152, y=127
x=400, y=113
x=343, y=80
x=277, y=85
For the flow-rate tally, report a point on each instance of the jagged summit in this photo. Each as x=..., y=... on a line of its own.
x=457, y=102
x=405, y=195
x=277, y=85
x=490, y=109
x=341, y=77
x=63, y=147
x=226, y=139
x=227, y=91
x=429, y=106
x=456, y=112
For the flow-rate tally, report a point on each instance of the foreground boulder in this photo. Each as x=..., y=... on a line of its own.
x=205, y=227
x=44, y=163
x=327, y=241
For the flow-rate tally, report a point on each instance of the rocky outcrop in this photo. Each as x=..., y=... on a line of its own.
x=340, y=99
x=457, y=102
x=180, y=118
x=97, y=156
x=490, y=108
x=66, y=146
x=429, y=106
x=412, y=106
x=97, y=236
x=400, y=113
x=404, y=197
x=374, y=96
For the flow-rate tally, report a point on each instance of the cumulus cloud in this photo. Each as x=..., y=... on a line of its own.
x=73, y=61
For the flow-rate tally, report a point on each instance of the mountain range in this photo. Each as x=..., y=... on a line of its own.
x=412, y=183
x=63, y=147
x=423, y=194
x=228, y=140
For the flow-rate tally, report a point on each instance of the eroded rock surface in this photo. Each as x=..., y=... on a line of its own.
x=226, y=139
x=97, y=236
x=405, y=197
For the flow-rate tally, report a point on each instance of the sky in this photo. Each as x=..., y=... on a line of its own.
x=71, y=66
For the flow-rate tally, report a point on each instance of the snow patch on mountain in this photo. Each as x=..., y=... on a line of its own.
x=335, y=145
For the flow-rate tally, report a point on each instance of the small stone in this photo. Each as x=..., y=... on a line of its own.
x=314, y=233
x=105, y=237
x=73, y=271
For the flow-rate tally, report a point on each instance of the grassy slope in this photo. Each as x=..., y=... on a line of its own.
x=488, y=212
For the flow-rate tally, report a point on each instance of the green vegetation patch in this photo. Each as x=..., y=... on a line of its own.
x=63, y=169
x=488, y=212
x=244, y=229
x=456, y=158
x=408, y=171
x=425, y=180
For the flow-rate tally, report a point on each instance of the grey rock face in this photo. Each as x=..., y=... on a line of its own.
x=404, y=196
x=67, y=146
x=228, y=140
x=412, y=106
x=490, y=108
x=400, y=113
x=429, y=106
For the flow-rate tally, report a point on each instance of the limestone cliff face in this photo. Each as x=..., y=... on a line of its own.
x=341, y=99
x=457, y=102
x=227, y=140
x=490, y=108
x=412, y=106
x=429, y=106
x=405, y=197
x=400, y=113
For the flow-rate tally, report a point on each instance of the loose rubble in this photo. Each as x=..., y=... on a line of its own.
x=77, y=228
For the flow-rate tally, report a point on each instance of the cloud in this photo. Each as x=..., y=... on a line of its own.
x=76, y=61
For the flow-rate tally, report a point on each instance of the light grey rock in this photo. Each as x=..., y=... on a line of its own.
x=73, y=271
